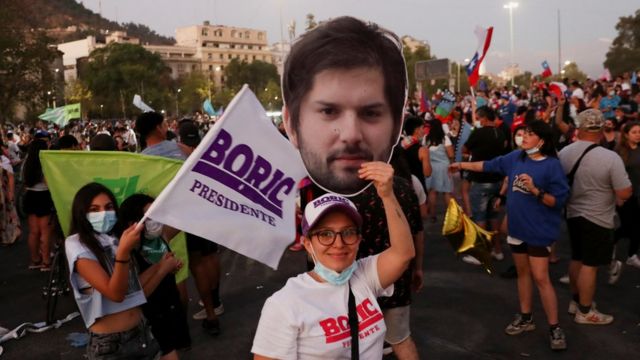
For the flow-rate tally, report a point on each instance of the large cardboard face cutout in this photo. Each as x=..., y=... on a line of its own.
x=344, y=120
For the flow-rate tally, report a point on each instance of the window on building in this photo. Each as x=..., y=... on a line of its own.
x=209, y=56
x=254, y=57
x=210, y=67
x=205, y=32
x=193, y=67
x=260, y=36
x=247, y=35
x=221, y=56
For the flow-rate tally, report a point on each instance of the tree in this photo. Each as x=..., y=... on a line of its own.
x=421, y=53
x=25, y=63
x=573, y=72
x=196, y=87
x=77, y=92
x=624, y=53
x=271, y=96
x=523, y=80
x=261, y=77
x=115, y=73
x=310, y=22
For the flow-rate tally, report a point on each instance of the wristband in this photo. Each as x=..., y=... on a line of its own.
x=540, y=195
x=123, y=261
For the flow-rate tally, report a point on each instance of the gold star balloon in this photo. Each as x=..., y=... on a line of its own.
x=466, y=237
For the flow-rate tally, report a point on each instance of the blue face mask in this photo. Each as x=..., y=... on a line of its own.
x=331, y=276
x=102, y=221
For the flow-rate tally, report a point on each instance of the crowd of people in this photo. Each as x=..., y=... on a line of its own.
x=521, y=161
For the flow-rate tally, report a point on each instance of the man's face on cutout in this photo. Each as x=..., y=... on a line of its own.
x=344, y=121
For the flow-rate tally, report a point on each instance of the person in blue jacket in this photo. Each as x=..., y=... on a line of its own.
x=537, y=192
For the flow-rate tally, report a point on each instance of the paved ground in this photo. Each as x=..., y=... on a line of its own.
x=460, y=314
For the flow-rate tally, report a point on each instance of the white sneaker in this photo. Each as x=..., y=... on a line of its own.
x=564, y=279
x=573, y=307
x=470, y=260
x=593, y=317
x=202, y=314
x=498, y=256
x=615, y=269
x=634, y=261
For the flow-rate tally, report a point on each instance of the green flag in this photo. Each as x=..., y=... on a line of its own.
x=72, y=111
x=123, y=173
x=61, y=115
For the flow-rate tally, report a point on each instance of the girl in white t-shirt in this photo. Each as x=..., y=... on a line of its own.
x=309, y=317
x=104, y=280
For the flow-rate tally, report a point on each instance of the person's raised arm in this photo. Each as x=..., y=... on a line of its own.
x=393, y=261
x=115, y=287
x=476, y=166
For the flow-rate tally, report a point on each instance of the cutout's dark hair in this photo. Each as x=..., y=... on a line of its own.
x=32, y=167
x=79, y=223
x=102, y=142
x=67, y=142
x=345, y=43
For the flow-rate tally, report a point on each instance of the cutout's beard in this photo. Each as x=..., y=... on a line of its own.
x=343, y=181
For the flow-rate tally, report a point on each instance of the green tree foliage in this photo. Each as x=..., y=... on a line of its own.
x=196, y=87
x=421, y=53
x=77, y=92
x=573, y=72
x=271, y=96
x=261, y=77
x=624, y=53
x=115, y=73
x=25, y=63
x=524, y=80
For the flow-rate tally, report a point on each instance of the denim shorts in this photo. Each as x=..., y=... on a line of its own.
x=137, y=343
x=480, y=196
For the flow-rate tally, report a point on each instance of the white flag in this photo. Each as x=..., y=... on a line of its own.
x=238, y=187
x=137, y=102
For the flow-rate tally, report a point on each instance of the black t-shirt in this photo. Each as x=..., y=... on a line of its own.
x=484, y=144
x=415, y=165
x=375, y=232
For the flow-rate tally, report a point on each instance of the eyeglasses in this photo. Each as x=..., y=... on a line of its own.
x=327, y=237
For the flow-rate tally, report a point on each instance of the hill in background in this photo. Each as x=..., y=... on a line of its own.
x=68, y=20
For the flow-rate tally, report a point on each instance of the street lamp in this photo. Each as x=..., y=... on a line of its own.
x=177, y=110
x=511, y=5
x=101, y=112
x=567, y=62
x=466, y=61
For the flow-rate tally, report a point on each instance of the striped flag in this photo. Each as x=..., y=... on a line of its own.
x=484, y=40
x=546, y=70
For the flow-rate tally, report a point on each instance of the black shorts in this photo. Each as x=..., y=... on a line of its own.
x=170, y=328
x=591, y=243
x=531, y=250
x=38, y=203
x=196, y=244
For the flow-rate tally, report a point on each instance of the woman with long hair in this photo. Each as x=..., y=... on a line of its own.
x=537, y=192
x=105, y=283
x=630, y=153
x=10, y=229
x=440, y=154
x=38, y=206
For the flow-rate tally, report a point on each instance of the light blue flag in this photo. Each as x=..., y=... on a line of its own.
x=208, y=108
x=634, y=78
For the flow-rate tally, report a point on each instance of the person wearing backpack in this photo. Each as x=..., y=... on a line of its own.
x=599, y=182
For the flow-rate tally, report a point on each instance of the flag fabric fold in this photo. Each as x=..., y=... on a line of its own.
x=238, y=187
x=484, y=41
x=557, y=88
x=137, y=102
x=546, y=70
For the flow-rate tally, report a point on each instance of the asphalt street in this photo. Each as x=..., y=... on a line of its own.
x=460, y=313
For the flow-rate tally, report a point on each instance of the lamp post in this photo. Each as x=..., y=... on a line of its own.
x=511, y=5
x=177, y=109
x=101, y=111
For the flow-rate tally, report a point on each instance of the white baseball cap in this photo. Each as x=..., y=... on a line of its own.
x=321, y=206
